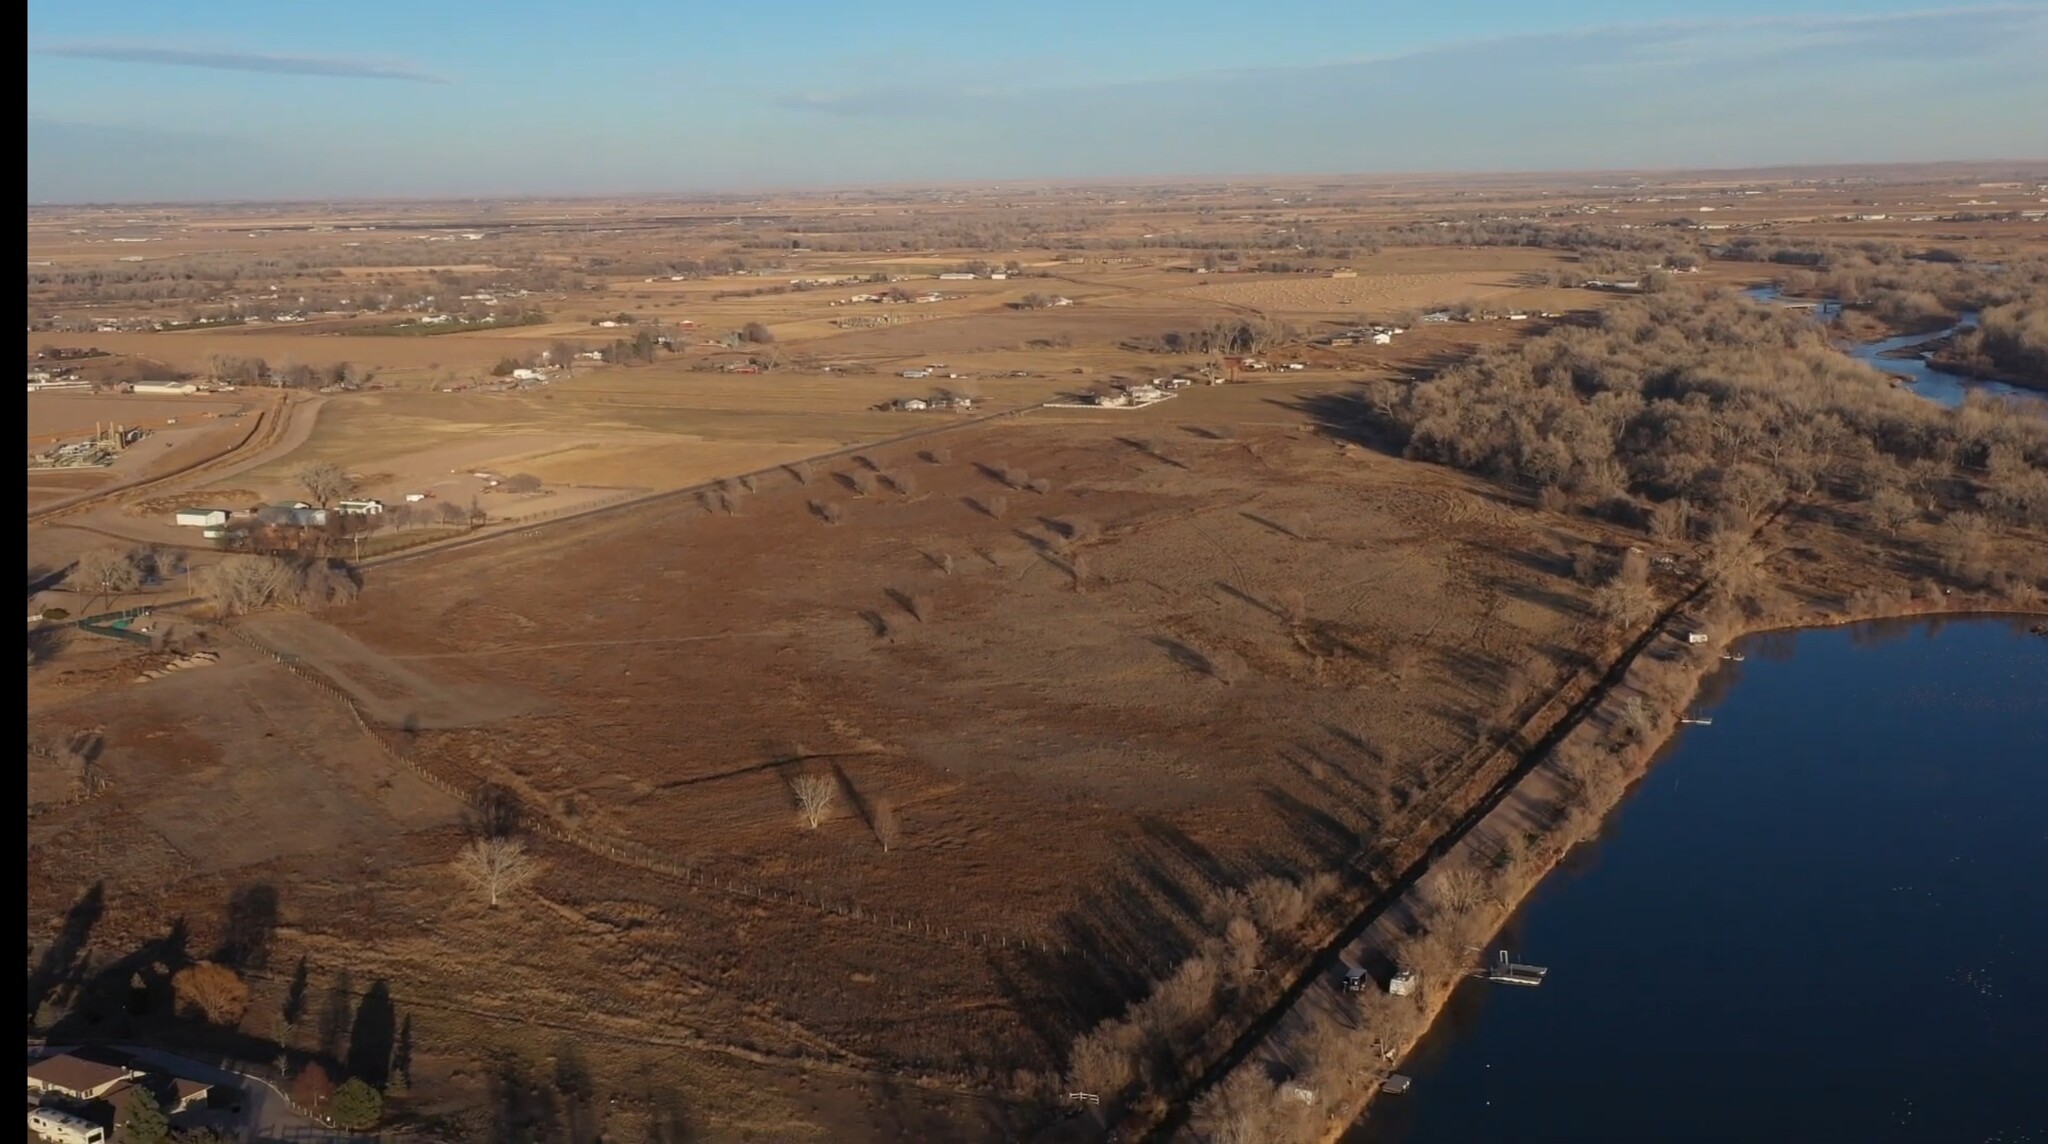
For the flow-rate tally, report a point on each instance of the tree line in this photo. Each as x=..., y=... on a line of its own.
x=1699, y=414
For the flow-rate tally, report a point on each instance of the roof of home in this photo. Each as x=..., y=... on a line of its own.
x=74, y=1073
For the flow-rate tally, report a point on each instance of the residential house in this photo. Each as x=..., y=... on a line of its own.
x=300, y=515
x=359, y=507
x=78, y=1077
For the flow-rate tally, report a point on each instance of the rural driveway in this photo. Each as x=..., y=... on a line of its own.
x=266, y=1115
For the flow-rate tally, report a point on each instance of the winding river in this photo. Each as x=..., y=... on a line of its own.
x=1923, y=379
x=1822, y=918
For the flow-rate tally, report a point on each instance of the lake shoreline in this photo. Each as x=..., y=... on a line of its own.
x=1483, y=920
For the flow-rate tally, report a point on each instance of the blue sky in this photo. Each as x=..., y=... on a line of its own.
x=135, y=100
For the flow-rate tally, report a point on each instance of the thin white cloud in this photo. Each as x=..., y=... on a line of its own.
x=1926, y=34
x=271, y=63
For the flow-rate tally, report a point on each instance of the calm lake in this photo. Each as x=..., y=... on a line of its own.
x=1823, y=918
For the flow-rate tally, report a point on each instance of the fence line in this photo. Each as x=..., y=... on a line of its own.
x=627, y=853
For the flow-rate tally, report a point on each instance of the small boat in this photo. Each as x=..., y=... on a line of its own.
x=1696, y=721
x=1733, y=656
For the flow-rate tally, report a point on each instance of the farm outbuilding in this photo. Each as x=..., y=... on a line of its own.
x=202, y=517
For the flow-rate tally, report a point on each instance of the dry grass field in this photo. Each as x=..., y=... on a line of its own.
x=1191, y=693
x=1083, y=684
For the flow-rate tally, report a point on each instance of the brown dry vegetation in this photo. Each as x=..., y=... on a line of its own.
x=895, y=795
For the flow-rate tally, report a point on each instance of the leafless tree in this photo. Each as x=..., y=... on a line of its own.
x=1462, y=889
x=860, y=482
x=815, y=793
x=241, y=584
x=882, y=819
x=110, y=571
x=919, y=606
x=801, y=471
x=827, y=511
x=325, y=483
x=1893, y=509
x=212, y=992
x=905, y=483
x=1636, y=717
x=995, y=506
x=496, y=867
x=747, y=483
x=937, y=455
x=1039, y=485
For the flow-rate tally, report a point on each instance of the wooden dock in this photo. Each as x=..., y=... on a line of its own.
x=1510, y=972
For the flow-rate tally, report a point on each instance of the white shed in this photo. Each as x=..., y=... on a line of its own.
x=202, y=517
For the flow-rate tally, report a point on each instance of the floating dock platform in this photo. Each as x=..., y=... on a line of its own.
x=1510, y=972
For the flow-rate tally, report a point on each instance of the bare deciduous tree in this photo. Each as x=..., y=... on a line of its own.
x=815, y=794
x=325, y=483
x=110, y=571
x=860, y=483
x=801, y=471
x=882, y=818
x=241, y=584
x=496, y=867
x=212, y=992
x=1039, y=485
x=1462, y=889
x=1893, y=509
x=995, y=507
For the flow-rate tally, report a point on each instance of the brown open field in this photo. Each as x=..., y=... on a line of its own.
x=1090, y=684
x=654, y=677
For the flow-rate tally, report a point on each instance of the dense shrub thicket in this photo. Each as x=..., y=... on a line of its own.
x=1716, y=405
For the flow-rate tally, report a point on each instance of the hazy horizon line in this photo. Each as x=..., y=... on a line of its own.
x=1106, y=181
